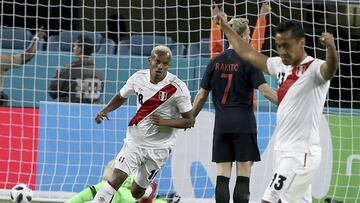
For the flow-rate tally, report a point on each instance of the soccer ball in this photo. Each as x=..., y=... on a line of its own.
x=21, y=193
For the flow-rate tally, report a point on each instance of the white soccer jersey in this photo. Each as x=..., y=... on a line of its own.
x=169, y=98
x=301, y=97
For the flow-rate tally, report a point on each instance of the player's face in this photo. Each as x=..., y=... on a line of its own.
x=291, y=50
x=77, y=49
x=159, y=65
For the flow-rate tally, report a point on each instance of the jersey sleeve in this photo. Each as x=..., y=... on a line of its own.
x=274, y=65
x=216, y=46
x=257, y=78
x=183, y=100
x=258, y=36
x=128, y=88
x=318, y=77
x=206, y=80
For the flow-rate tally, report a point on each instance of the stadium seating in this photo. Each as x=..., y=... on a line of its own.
x=124, y=47
x=63, y=42
x=14, y=38
x=41, y=45
x=178, y=49
x=141, y=45
x=199, y=48
x=107, y=46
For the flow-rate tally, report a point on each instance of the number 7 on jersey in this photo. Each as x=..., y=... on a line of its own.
x=228, y=85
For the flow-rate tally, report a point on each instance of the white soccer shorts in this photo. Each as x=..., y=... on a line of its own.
x=293, y=174
x=147, y=162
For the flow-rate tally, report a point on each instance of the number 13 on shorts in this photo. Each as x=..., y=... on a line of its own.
x=278, y=181
x=278, y=186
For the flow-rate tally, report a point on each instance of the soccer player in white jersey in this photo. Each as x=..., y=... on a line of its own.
x=303, y=85
x=163, y=104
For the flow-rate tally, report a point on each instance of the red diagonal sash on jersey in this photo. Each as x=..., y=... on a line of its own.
x=152, y=103
x=291, y=79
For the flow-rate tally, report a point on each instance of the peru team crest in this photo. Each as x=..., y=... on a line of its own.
x=162, y=95
x=300, y=70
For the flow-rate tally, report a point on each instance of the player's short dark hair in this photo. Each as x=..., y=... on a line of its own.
x=86, y=44
x=295, y=27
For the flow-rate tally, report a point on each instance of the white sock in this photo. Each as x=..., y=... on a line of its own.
x=147, y=193
x=105, y=194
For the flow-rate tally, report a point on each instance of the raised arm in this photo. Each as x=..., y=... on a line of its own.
x=30, y=51
x=114, y=103
x=329, y=68
x=216, y=46
x=8, y=61
x=243, y=49
x=258, y=36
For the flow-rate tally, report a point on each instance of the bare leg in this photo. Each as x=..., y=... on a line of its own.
x=137, y=191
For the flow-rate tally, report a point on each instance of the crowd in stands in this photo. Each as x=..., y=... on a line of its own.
x=82, y=83
x=134, y=45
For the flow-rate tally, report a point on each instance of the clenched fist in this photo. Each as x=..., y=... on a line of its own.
x=100, y=116
x=327, y=40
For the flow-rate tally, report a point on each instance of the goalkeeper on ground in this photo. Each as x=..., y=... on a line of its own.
x=123, y=195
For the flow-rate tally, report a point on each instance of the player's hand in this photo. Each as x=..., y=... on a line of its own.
x=40, y=33
x=219, y=16
x=189, y=127
x=265, y=9
x=157, y=120
x=327, y=40
x=101, y=116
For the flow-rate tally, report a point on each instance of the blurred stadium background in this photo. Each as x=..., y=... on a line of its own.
x=58, y=150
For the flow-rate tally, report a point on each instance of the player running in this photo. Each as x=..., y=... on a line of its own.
x=163, y=105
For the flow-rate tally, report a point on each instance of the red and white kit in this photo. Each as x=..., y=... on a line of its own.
x=297, y=154
x=147, y=145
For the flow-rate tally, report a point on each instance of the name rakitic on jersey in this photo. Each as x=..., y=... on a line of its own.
x=226, y=67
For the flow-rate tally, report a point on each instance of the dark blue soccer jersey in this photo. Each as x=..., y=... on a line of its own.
x=232, y=82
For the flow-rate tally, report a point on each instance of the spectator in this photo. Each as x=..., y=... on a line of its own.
x=79, y=81
x=9, y=61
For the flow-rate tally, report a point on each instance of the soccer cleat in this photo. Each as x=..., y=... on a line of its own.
x=329, y=200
